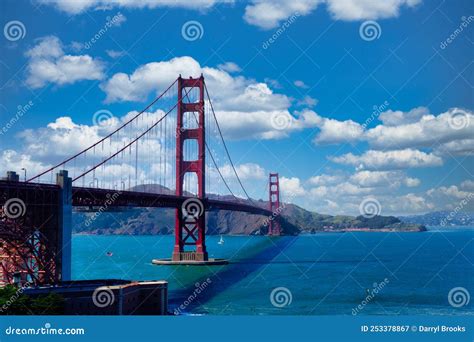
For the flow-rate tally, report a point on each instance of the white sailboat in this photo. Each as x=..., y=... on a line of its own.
x=221, y=241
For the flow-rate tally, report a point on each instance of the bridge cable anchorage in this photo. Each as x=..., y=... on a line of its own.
x=212, y=157
x=225, y=146
x=129, y=144
x=107, y=136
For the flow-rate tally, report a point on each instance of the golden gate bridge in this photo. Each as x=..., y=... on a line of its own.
x=173, y=147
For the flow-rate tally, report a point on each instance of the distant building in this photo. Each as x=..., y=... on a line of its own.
x=109, y=297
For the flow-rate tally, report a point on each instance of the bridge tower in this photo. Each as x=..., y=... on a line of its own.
x=274, y=227
x=190, y=217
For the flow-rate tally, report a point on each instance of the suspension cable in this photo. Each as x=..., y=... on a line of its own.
x=225, y=146
x=129, y=144
x=107, y=136
x=212, y=157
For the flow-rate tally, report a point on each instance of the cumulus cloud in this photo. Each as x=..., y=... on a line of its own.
x=245, y=171
x=387, y=160
x=367, y=9
x=268, y=14
x=325, y=179
x=322, y=192
x=450, y=132
x=245, y=108
x=308, y=101
x=429, y=130
x=265, y=14
x=300, y=84
x=48, y=63
x=79, y=6
x=39, y=150
x=398, y=117
x=392, y=179
x=332, y=131
x=459, y=147
x=291, y=187
x=115, y=53
x=229, y=67
x=11, y=160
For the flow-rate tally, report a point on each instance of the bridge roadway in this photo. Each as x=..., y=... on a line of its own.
x=94, y=197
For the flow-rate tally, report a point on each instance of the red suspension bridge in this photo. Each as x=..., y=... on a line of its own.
x=168, y=157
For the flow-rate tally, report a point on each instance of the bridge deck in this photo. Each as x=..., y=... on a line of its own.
x=114, y=198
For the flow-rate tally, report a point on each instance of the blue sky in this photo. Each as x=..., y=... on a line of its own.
x=319, y=74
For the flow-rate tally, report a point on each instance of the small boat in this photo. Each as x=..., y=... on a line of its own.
x=221, y=241
x=109, y=254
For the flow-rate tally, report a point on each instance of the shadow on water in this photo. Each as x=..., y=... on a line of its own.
x=244, y=263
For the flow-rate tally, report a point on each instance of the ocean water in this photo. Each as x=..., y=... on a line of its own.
x=320, y=274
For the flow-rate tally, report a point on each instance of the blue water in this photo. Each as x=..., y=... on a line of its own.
x=326, y=273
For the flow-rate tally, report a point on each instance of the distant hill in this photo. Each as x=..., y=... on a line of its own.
x=441, y=218
x=295, y=220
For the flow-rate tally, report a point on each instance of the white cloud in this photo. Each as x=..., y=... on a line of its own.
x=229, y=67
x=291, y=187
x=115, y=53
x=334, y=131
x=450, y=132
x=398, y=117
x=386, y=160
x=49, y=64
x=460, y=147
x=79, y=6
x=349, y=193
x=392, y=179
x=428, y=131
x=245, y=108
x=367, y=9
x=411, y=182
x=269, y=14
x=147, y=78
x=266, y=14
x=325, y=179
x=245, y=171
x=11, y=160
x=467, y=185
x=308, y=102
x=300, y=84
